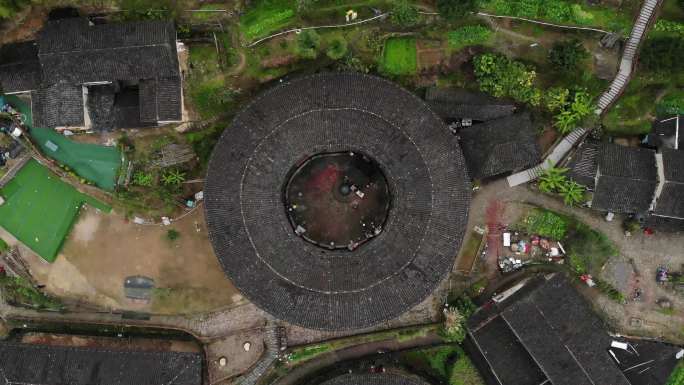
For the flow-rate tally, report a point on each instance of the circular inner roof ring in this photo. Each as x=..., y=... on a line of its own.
x=297, y=281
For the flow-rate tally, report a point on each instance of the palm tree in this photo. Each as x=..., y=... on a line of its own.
x=572, y=192
x=553, y=179
x=173, y=177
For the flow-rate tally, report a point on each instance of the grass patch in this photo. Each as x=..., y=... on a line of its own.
x=546, y=224
x=632, y=113
x=468, y=35
x=3, y=245
x=561, y=12
x=265, y=17
x=300, y=354
x=308, y=352
x=399, y=56
x=40, y=209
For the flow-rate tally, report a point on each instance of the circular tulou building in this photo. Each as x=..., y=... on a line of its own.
x=337, y=201
x=394, y=378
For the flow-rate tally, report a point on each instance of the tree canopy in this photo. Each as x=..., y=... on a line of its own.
x=568, y=55
x=404, y=13
x=452, y=10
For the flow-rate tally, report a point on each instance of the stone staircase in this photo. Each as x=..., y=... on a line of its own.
x=639, y=31
x=274, y=339
x=558, y=153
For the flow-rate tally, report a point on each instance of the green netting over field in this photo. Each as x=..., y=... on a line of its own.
x=95, y=163
x=98, y=164
x=40, y=209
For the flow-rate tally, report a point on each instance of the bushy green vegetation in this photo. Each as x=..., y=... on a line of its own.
x=206, y=89
x=3, y=245
x=454, y=10
x=404, y=13
x=672, y=103
x=266, y=16
x=172, y=235
x=589, y=249
x=677, y=376
x=546, y=223
x=567, y=55
x=469, y=35
x=399, y=56
x=9, y=8
x=337, y=48
x=308, y=43
x=503, y=77
x=561, y=12
x=447, y=364
x=18, y=291
x=203, y=142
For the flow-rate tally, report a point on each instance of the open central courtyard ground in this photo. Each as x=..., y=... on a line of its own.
x=40, y=209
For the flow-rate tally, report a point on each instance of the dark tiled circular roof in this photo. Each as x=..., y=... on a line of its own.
x=376, y=379
x=302, y=283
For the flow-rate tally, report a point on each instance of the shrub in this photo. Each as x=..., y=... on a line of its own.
x=142, y=178
x=404, y=13
x=337, y=49
x=556, y=98
x=567, y=55
x=468, y=35
x=452, y=10
x=677, y=376
x=501, y=76
x=308, y=42
x=546, y=224
x=552, y=179
x=453, y=329
x=172, y=235
x=173, y=177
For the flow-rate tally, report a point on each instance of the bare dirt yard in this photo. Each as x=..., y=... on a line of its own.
x=102, y=250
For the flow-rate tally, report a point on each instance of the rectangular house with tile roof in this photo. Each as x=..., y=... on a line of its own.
x=97, y=76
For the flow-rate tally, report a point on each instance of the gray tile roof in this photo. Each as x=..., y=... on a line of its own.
x=584, y=163
x=336, y=289
x=457, y=103
x=627, y=179
x=500, y=146
x=19, y=67
x=71, y=50
x=670, y=203
x=60, y=104
x=56, y=365
x=557, y=327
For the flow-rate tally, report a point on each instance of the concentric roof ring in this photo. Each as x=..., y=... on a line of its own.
x=296, y=280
